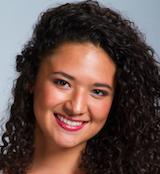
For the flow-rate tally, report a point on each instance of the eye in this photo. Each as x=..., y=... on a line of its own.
x=99, y=93
x=62, y=83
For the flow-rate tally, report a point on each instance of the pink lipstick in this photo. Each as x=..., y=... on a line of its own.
x=68, y=123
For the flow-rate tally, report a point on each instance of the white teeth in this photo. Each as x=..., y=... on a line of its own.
x=65, y=120
x=61, y=118
x=69, y=122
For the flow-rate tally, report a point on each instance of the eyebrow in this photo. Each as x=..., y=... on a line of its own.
x=65, y=75
x=102, y=85
x=72, y=78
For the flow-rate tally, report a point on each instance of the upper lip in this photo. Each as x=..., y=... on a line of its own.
x=69, y=118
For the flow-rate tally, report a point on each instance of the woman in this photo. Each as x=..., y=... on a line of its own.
x=86, y=99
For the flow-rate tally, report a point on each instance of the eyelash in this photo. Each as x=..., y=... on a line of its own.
x=103, y=93
x=61, y=82
x=95, y=91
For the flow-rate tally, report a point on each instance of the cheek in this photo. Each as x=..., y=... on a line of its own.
x=46, y=97
x=101, y=111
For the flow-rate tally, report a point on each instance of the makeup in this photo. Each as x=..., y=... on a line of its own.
x=68, y=123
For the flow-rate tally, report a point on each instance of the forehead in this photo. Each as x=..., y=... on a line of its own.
x=76, y=52
x=81, y=60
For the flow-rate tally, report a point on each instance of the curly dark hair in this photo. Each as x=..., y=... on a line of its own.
x=129, y=142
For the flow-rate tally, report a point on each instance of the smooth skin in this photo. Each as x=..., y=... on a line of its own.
x=77, y=81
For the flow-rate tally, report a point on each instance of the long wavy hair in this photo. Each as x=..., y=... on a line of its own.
x=129, y=142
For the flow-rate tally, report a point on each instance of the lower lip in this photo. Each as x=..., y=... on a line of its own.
x=69, y=128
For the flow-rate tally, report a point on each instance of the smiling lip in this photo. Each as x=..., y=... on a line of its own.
x=71, y=126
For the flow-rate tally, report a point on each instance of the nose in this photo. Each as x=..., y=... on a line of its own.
x=76, y=104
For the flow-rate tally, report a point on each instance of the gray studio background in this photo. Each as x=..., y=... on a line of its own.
x=17, y=18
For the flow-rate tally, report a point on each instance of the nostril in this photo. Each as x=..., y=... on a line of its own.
x=76, y=105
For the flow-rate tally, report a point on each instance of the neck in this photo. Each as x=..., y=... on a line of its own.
x=49, y=158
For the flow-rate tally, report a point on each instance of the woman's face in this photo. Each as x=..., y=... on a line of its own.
x=73, y=94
